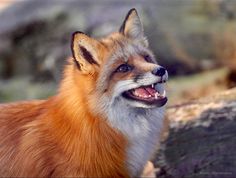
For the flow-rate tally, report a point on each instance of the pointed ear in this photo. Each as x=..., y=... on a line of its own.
x=84, y=50
x=133, y=28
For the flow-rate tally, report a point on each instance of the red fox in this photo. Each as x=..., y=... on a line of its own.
x=105, y=119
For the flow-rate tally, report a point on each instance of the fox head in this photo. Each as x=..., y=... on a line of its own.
x=119, y=68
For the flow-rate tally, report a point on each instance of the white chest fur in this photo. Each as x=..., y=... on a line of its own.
x=142, y=127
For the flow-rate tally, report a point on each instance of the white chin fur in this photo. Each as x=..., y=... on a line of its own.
x=141, y=125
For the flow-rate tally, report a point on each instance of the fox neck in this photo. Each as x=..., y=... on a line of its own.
x=89, y=141
x=142, y=127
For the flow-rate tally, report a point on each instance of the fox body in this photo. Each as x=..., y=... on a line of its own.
x=105, y=120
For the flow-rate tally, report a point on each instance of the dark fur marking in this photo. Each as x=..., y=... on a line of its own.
x=137, y=77
x=77, y=64
x=87, y=55
x=51, y=173
x=122, y=28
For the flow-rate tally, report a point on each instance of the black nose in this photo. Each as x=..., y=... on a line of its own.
x=159, y=71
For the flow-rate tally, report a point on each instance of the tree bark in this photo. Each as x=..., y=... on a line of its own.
x=201, y=139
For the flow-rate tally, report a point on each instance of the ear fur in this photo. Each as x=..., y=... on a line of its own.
x=84, y=51
x=133, y=28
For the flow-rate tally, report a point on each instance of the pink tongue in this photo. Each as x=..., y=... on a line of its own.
x=145, y=91
x=152, y=91
x=141, y=92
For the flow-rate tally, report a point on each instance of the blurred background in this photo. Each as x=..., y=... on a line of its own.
x=194, y=39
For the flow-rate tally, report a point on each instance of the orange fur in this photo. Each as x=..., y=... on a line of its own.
x=59, y=137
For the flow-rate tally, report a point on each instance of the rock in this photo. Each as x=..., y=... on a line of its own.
x=201, y=140
x=35, y=35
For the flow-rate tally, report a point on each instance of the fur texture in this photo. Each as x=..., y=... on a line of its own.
x=89, y=129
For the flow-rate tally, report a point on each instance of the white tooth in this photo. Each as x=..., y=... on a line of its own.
x=164, y=93
x=152, y=85
x=156, y=95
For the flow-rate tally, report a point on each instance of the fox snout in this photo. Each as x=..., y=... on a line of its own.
x=160, y=72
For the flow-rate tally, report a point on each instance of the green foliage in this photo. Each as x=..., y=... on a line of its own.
x=22, y=89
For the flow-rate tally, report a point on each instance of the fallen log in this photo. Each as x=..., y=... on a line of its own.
x=201, y=139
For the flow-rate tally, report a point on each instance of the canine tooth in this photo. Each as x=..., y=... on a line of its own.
x=152, y=85
x=164, y=93
x=156, y=95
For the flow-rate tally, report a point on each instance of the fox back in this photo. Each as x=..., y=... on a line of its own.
x=104, y=121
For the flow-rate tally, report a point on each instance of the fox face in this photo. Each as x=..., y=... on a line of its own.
x=121, y=67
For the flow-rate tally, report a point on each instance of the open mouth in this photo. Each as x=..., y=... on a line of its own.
x=151, y=95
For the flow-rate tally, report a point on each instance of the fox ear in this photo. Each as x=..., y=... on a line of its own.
x=133, y=28
x=84, y=52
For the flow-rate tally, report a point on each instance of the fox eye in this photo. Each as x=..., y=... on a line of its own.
x=147, y=58
x=124, y=68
